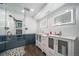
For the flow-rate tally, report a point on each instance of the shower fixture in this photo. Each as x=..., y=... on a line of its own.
x=12, y=17
x=29, y=10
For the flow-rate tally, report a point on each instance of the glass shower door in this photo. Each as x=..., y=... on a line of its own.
x=8, y=29
x=5, y=33
x=2, y=28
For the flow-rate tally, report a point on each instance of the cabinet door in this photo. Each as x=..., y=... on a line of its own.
x=51, y=43
x=63, y=47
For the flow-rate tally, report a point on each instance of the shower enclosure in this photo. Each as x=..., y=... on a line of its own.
x=8, y=31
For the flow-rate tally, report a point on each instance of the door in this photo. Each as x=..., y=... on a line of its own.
x=7, y=29
x=2, y=28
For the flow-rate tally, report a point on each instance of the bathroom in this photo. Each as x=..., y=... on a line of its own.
x=39, y=29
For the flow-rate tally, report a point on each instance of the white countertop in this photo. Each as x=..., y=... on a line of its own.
x=65, y=37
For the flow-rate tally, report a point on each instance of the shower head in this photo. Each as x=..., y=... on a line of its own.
x=12, y=17
x=27, y=9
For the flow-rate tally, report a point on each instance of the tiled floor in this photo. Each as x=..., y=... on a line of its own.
x=27, y=50
x=14, y=52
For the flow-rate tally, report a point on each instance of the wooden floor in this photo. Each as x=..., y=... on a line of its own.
x=33, y=50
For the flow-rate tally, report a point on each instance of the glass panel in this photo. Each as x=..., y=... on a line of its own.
x=2, y=27
x=51, y=43
x=63, y=47
x=39, y=38
x=2, y=20
x=8, y=15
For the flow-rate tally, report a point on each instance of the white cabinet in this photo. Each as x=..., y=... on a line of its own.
x=58, y=46
x=38, y=40
x=44, y=43
x=65, y=46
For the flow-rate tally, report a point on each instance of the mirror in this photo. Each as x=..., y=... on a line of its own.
x=64, y=18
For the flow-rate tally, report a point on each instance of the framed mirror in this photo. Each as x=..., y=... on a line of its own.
x=65, y=17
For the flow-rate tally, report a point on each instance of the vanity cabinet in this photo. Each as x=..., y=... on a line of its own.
x=51, y=43
x=44, y=42
x=63, y=47
x=38, y=40
x=59, y=46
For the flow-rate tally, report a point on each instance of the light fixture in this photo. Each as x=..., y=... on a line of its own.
x=28, y=10
x=32, y=10
x=22, y=11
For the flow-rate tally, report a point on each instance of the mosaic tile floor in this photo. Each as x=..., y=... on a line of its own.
x=27, y=50
x=14, y=52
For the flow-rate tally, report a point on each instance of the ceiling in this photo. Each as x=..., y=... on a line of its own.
x=18, y=7
x=40, y=9
x=49, y=8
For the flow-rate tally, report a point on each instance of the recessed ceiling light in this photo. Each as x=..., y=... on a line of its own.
x=32, y=10
x=22, y=11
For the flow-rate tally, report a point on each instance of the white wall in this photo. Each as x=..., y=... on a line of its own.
x=30, y=23
x=10, y=22
x=67, y=30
